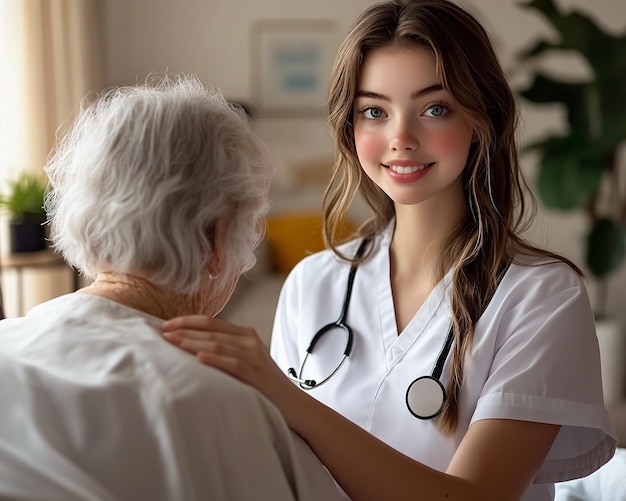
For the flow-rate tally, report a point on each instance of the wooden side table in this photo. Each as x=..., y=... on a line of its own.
x=24, y=260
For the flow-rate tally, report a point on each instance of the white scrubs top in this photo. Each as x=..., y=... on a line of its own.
x=535, y=357
x=97, y=406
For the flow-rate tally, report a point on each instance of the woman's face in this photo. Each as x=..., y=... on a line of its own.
x=411, y=138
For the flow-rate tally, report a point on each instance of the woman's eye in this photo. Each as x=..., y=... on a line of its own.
x=436, y=110
x=373, y=113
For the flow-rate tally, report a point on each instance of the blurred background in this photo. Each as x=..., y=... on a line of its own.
x=55, y=53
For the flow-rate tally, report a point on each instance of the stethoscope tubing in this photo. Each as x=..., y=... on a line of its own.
x=431, y=386
x=431, y=383
x=340, y=323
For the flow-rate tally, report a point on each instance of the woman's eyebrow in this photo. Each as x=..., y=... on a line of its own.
x=415, y=95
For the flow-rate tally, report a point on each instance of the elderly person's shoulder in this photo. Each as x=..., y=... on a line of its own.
x=116, y=395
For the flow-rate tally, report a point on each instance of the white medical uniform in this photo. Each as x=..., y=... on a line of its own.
x=535, y=357
x=95, y=405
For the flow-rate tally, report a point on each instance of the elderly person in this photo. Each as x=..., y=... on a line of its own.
x=158, y=192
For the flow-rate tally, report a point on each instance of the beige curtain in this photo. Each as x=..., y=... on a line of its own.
x=51, y=55
x=63, y=64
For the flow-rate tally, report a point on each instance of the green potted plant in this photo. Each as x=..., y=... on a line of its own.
x=23, y=201
x=579, y=169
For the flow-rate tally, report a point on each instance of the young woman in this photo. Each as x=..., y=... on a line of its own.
x=469, y=368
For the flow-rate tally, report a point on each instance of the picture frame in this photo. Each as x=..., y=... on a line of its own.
x=291, y=65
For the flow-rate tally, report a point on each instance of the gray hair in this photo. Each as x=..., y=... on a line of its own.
x=143, y=175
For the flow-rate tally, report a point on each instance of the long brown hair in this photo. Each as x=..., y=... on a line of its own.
x=500, y=206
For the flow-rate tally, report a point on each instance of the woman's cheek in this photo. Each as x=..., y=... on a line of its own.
x=449, y=142
x=368, y=146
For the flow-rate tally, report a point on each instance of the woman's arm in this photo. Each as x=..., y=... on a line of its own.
x=497, y=459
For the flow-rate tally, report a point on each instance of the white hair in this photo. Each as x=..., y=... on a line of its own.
x=142, y=177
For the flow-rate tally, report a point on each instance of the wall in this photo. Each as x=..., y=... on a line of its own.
x=210, y=38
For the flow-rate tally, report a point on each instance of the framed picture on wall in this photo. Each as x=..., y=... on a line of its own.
x=291, y=64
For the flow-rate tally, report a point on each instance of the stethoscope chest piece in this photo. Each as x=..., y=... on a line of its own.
x=425, y=397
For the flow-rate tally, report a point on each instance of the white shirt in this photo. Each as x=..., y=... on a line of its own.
x=535, y=357
x=97, y=406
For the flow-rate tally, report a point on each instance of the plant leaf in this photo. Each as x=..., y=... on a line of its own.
x=539, y=48
x=603, y=51
x=606, y=247
x=566, y=181
x=544, y=89
x=25, y=196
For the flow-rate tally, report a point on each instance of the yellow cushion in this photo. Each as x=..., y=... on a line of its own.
x=293, y=236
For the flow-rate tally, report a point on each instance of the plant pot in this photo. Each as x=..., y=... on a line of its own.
x=612, y=341
x=27, y=235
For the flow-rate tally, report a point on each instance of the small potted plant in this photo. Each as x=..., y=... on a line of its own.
x=579, y=170
x=23, y=202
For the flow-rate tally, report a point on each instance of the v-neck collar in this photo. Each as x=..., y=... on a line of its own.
x=434, y=305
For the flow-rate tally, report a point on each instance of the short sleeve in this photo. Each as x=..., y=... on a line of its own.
x=546, y=368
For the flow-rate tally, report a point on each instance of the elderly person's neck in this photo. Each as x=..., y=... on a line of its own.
x=140, y=294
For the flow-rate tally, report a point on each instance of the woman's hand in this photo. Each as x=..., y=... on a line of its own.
x=479, y=470
x=234, y=349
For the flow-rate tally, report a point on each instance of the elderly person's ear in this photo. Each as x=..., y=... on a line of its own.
x=217, y=236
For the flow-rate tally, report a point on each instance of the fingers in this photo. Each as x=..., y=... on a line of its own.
x=193, y=345
x=210, y=341
x=200, y=333
x=255, y=368
x=234, y=349
x=234, y=366
x=206, y=328
x=199, y=323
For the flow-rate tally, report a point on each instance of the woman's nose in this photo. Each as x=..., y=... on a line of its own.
x=404, y=136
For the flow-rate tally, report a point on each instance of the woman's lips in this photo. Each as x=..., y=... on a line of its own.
x=407, y=172
x=407, y=169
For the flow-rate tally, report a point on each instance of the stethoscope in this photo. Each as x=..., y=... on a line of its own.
x=425, y=396
x=340, y=323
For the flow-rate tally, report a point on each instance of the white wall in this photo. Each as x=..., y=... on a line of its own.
x=210, y=38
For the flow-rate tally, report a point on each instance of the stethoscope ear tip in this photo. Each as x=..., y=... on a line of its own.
x=306, y=384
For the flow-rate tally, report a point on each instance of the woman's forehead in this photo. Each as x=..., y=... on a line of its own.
x=411, y=69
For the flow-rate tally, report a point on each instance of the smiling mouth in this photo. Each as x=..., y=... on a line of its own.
x=399, y=169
